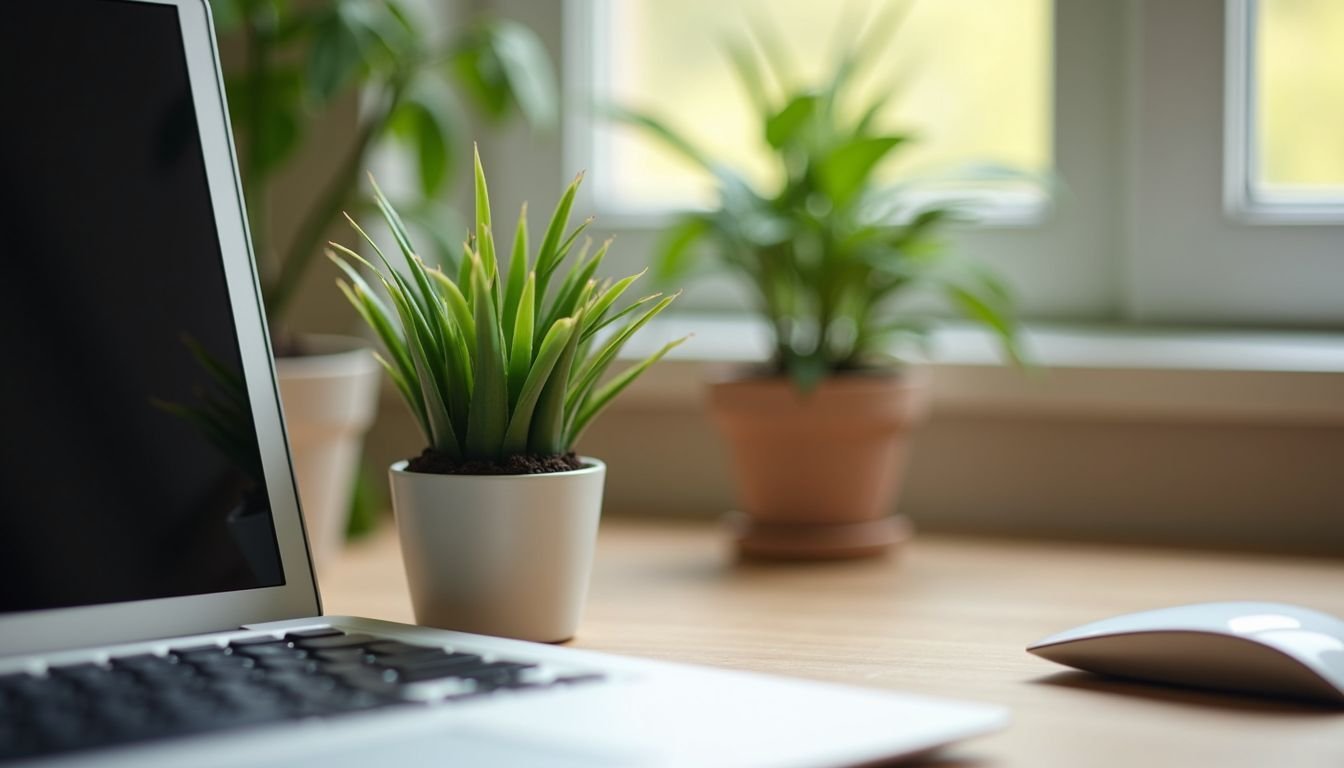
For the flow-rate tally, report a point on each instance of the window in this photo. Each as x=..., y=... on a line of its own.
x=1139, y=98
x=1286, y=109
x=1191, y=256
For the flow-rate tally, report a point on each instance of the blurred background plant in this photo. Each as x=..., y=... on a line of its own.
x=832, y=255
x=299, y=72
x=297, y=59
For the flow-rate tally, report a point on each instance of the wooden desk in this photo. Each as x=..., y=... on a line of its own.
x=948, y=616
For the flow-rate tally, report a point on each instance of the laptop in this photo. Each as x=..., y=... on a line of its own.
x=158, y=605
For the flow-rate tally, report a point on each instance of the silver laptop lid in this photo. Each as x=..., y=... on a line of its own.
x=145, y=483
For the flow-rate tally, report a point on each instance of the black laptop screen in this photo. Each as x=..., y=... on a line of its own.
x=129, y=464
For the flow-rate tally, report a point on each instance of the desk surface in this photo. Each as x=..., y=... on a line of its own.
x=947, y=616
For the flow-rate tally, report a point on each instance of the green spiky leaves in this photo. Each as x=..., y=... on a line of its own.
x=491, y=363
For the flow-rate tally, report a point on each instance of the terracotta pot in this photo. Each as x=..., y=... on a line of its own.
x=818, y=475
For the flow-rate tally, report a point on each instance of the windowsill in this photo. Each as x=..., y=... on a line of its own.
x=1084, y=372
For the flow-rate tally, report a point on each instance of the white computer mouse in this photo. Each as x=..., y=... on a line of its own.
x=1262, y=648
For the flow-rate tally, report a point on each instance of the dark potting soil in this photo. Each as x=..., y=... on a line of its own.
x=434, y=462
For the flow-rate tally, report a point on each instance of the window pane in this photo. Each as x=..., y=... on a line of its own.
x=1299, y=100
x=972, y=81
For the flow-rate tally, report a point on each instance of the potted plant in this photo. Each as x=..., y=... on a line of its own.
x=818, y=436
x=501, y=359
x=294, y=72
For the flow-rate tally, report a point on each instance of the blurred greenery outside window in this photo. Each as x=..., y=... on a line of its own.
x=970, y=79
x=290, y=64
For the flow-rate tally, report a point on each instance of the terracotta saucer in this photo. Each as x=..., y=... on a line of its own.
x=817, y=541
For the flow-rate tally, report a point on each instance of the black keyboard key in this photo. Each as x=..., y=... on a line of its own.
x=21, y=684
x=227, y=674
x=17, y=740
x=371, y=680
x=57, y=696
x=76, y=671
x=204, y=657
x=221, y=717
x=222, y=660
x=303, y=683
x=289, y=664
x=405, y=663
x=343, y=655
x=270, y=651
x=313, y=633
x=245, y=692
x=427, y=674
x=23, y=687
x=63, y=729
x=235, y=667
x=398, y=648
x=496, y=672
x=145, y=662
x=172, y=677
x=427, y=656
x=187, y=699
x=14, y=681
x=349, y=672
x=88, y=675
x=133, y=719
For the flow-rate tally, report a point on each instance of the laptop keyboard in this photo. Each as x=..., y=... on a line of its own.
x=310, y=674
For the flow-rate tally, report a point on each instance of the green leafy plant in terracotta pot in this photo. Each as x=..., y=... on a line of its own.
x=502, y=359
x=818, y=437
x=346, y=78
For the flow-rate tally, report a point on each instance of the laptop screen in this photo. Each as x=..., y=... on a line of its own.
x=129, y=461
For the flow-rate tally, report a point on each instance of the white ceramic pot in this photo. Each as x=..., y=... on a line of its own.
x=505, y=555
x=330, y=399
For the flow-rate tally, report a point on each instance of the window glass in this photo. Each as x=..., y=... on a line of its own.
x=971, y=79
x=1299, y=97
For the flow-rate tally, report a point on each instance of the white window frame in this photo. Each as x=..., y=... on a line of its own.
x=1242, y=200
x=1142, y=232
x=1191, y=260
